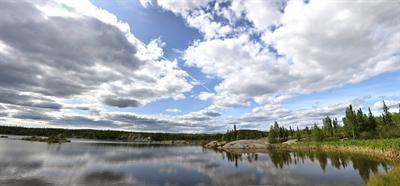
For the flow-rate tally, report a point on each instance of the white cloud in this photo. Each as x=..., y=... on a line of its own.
x=100, y=59
x=204, y=96
x=264, y=116
x=204, y=23
x=322, y=46
x=263, y=14
x=173, y=110
x=182, y=7
x=145, y=3
x=394, y=105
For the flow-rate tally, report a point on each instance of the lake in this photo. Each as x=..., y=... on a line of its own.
x=97, y=163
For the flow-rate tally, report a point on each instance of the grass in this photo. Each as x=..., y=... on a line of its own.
x=381, y=146
x=376, y=144
x=389, y=179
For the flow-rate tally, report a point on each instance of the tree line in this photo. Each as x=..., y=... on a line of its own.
x=104, y=134
x=234, y=134
x=356, y=124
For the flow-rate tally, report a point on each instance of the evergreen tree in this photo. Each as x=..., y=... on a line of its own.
x=298, y=135
x=335, y=126
x=350, y=122
x=387, y=116
x=327, y=126
x=371, y=121
x=362, y=121
x=235, y=132
x=317, y=133
x=273, y=133
x=291, y=132
x=308, y=133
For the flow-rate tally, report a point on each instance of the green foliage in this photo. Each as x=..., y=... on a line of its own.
x=317, y=133
x=328, y=128
x=298, y=134
x=278, y=134
x=273, y=134
x=387, y=116
x=350, y=122
x=391, y=178
x=232, y=135
x=104, y=134
x=378, y=144
x=356, y=125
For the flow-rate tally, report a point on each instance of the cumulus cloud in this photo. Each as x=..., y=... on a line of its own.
x=392, y=104
x=11, y=97
x=315, y=46
x=60, y=59
x=81, y=52
x=182, y=7
x=121, y=102
x=32, y=115
x=266, y=115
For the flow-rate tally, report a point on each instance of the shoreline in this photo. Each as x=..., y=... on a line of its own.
x=299, y=147
x=375, y=148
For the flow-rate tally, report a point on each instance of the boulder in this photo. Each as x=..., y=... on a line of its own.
x=211, y=144
x=247, y=144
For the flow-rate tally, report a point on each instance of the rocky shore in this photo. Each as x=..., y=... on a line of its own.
x=292, y=145
x=239, y=144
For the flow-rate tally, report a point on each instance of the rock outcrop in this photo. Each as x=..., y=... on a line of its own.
x=247, y=144
x=214, y=144
x=239, y=144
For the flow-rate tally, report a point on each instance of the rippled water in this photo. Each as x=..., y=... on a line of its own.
x=90, y=163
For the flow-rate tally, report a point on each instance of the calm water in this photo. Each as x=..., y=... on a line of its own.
x=78, y=163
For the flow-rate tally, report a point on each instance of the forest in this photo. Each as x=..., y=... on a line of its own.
x=104, y=134
x=355, y=125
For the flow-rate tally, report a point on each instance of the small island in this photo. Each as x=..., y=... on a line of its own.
x=51, y=139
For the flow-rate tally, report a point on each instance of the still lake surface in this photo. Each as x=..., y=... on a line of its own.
x=97, y=163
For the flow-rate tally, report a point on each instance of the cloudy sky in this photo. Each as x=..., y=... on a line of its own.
x=195, y=65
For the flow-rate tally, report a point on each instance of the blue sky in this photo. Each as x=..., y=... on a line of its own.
x=196, y=65
x=155, y=22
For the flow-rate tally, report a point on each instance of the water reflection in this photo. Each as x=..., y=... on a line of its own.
x=363, y=164
x=27, y=163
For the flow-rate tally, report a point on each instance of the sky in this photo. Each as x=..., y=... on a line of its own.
x=195, y=66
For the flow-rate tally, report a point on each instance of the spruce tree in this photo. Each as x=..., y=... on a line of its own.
x=371, y=121
x=350, y=122
x=327, y=126
x=298, y=135
x=317, y=133
x=362, y=121
x=335, y=126
x=387, y=116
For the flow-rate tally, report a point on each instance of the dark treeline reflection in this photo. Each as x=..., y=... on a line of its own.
x=364, y=165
